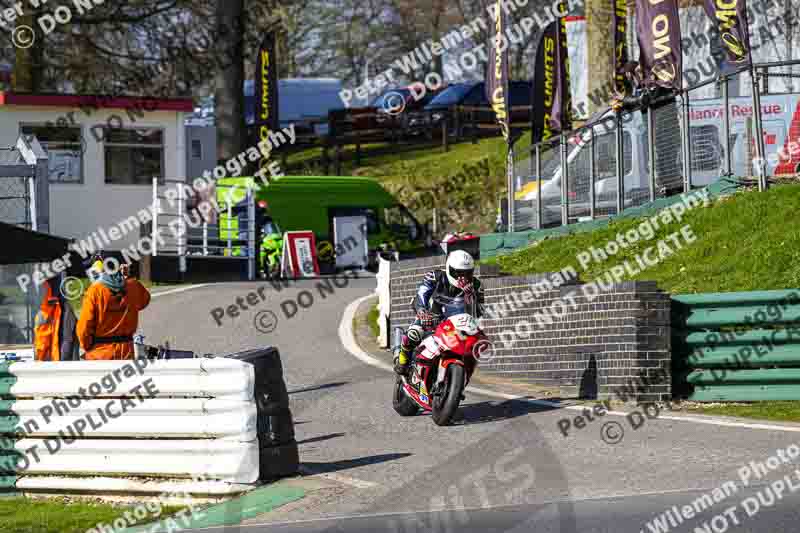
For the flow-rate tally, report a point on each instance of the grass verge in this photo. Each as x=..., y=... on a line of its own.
x=782, y=411
x=372, y=320
x=23, y=515
x=745, y=242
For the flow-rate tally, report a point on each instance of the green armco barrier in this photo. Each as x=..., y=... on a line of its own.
x=495, y=244
x=729, y=357
x=718, y=299
x=7, y=379
x=746, y=393
x=766, y=375
x=9, y=421
x=739, y=346
x=699, y=339
x=728, y=315
x=7, y=483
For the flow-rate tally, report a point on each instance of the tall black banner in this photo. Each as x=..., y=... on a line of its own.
x=659, y=32
x=620, y=30
x=497, y=74
x=731, y=19
x=266, y=93
x=552, y=96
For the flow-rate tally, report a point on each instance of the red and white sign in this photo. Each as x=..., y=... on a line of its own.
x=299, y=254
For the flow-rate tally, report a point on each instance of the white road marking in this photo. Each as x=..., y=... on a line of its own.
x=349, y=342
x=177, y=290
x=349, y=339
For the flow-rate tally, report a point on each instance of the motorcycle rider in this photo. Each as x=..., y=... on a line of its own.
x=457, y=283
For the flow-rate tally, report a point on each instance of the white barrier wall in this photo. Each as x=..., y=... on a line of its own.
x=384, y=300
x=84, y=425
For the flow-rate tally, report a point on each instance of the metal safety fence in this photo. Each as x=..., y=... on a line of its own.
x=24, y=202
x=221, y=226
x=691, y=138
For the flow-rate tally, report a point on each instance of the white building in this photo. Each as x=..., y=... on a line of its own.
x=104, y=153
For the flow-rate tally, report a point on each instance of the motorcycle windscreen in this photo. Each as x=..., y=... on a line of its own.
x=452, y=306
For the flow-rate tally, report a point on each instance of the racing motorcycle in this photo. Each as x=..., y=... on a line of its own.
x=436, y=382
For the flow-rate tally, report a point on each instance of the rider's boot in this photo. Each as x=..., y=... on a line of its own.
x=401, y=362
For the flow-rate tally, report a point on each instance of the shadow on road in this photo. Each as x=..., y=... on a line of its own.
x=320, y=387
x=337, y=466
x=320, y=438
x=491, y=411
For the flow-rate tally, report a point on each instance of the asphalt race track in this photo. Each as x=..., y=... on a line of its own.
x=504, y=466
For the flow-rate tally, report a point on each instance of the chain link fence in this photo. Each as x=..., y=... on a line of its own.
x=15, y=199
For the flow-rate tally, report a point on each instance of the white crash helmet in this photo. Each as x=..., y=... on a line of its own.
x=459, y=265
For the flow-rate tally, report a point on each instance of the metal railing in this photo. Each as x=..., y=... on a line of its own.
x=24, y=201
x=692, y=140
x=181, y=229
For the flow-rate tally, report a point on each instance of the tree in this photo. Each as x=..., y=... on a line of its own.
x=229, y=105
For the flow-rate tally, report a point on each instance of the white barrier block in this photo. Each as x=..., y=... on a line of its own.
x=108, y=485
x=152, y=418
x=186, y=378
x=232, y=461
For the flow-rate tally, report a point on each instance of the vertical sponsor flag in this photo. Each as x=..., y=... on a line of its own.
x=496, y=86
x=497, y=75
x=552, y=96
x=731, y=19
x=266, y=93
x=620, y=31
x=658, y=29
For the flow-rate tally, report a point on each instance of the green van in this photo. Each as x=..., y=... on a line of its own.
x=310, y=203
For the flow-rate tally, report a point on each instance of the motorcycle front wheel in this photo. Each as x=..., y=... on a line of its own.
x=445, y=402
x=403, y=405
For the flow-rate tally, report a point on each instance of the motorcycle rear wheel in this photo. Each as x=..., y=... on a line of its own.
x=403, y=405
x=445, y=403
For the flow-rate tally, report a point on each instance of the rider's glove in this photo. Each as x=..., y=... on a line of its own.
x=469, y=291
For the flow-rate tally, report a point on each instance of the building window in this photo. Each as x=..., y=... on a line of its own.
x=64, y=149
x=197, y=149
x=134, y=156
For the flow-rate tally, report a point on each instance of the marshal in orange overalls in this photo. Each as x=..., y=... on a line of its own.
x=108, y=320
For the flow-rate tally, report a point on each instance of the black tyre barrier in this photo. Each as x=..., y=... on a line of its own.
x=278, y=461
x=278, y=449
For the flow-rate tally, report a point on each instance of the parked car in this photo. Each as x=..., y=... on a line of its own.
x=415, y=98
x=471, y=94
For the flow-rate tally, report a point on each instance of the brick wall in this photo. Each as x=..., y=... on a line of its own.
x=615, y=345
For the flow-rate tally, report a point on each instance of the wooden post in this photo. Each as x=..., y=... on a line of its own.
x=326, y=162
x=338, y=159
x=457, y=124
x=146, y=268
x=358, y=149
x=474, y=127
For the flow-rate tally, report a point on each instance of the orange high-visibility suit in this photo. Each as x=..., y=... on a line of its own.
x=108, y=321
x=55, y=324
x=47, y=323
